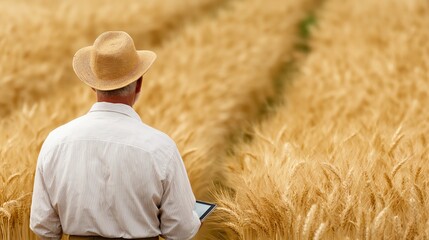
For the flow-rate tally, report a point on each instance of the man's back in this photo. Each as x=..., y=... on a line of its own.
x=110, y=175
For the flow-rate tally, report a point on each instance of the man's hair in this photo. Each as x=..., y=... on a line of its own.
x=123, y=91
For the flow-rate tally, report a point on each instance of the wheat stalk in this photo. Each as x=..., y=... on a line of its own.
x=379, y=220
x=333, y=170
x=306, y=228
x=397, y=167
x=419, y=194
x=320, y=231
x=417, y=174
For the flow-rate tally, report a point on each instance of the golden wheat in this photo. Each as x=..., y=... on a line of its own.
x=356, y=116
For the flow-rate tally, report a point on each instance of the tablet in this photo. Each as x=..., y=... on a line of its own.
x=203, y=209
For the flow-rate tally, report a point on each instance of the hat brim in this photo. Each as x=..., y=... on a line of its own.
x=82, y=68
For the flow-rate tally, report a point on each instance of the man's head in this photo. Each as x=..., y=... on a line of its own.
x=126, y=95
x=113, y=67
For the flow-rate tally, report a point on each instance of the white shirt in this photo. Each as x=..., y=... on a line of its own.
x=108, y=174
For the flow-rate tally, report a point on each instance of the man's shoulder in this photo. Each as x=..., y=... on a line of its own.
x=58, y=133
x=157, y=133
x=64, y=128
x=157, y=138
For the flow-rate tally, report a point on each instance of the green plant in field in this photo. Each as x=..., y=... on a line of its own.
x=305, y=28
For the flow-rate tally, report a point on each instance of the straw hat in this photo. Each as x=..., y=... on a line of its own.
x=112, y=62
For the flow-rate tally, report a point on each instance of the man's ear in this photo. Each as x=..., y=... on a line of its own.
x=139, y=85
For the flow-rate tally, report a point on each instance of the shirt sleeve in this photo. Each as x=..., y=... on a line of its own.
x=44, y=220
x=177, y=215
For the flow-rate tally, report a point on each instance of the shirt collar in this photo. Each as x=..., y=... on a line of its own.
x=115, y=107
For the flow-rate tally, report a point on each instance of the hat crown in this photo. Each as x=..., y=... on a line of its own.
x=113, y=55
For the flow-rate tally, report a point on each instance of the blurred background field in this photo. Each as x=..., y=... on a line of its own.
x=301, y=119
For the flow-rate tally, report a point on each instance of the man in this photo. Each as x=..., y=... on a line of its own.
x=107, y=174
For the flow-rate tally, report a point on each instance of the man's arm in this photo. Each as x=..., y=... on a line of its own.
x=44, y=220
x=178, y=218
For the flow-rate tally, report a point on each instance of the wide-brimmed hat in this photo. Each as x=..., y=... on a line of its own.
x=112, y=62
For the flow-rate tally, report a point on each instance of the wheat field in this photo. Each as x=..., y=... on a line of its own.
x=346, y=154
x=333, y=149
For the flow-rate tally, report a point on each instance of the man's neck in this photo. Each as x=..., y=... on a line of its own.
x=116, y=99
